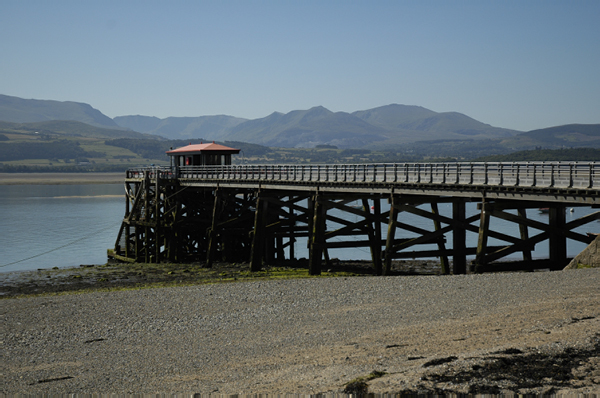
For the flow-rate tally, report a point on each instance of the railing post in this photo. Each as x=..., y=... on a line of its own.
x=457, y=173
x=501, y=172
x=534, y=182
x=485, y=173
x=471, y=171
x=592, y=169
x=517, y=176
x=570, y=175
x=552, y=174
x=444, y=173
x=431, y=173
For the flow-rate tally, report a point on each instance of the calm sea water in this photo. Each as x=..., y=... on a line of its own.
x=58, y=225
x=45, y=226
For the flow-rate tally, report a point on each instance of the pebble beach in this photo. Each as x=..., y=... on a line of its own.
x=395, y=335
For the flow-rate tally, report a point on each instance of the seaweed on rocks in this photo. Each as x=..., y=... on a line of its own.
x=518, y=371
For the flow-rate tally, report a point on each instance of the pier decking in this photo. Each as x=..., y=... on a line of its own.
x=257, y=213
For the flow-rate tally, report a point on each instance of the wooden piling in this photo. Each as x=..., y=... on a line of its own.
x=524, y=232
x=484, y=226
x=316, y=237
x=212, y=232
x=257, y=251
x=557, y=240
x=391, y=232
x=441, y=245
x=459, y=236
x=374, y=232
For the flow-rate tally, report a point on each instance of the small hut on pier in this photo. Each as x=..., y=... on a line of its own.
x=202, y=155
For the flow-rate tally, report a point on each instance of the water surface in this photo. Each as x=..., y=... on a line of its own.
x=45, y=226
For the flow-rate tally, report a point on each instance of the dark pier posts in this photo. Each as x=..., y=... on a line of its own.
x=556, y=231
x=524, y=232
x=175, y=250
x=258, y=240
x=376, y=253
x=558, y=240
x=291, y=224
x=484, y=227
x=459, y=236
x=172, y=219
x=317, y=235
x=441, y=244
x=391, y=233
x=374, y=232
x=158, y=220
x=212, y=232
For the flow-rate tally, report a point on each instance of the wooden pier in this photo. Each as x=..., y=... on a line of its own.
x=257, y=213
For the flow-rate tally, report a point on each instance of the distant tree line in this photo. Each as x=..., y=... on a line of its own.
x=149, y=149
x=152, y=149
x=62, y=149
x=459, y=149
x=72, y=168
x=248, y=149
x=543, y=155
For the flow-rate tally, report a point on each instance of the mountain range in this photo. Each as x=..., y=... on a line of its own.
x=383, y=127
x=374, y=128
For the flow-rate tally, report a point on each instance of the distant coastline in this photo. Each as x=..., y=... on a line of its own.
x=60, y=178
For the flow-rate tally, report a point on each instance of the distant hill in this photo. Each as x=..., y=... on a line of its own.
x=414, y=123
x=382, y=127
x=68, y=128
x=19, y=110
x=308, y=128
x=567, y=136
x=180, y=127
x=374, y=128
x=395, y=116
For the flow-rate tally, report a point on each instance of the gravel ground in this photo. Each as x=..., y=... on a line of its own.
x=520, y=332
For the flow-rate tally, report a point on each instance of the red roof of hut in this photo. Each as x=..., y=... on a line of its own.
x=199, y=148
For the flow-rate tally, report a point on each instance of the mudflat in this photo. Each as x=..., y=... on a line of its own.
x=60, y=178
x=536, y=332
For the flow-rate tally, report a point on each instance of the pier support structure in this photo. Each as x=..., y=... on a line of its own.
x=167, y=221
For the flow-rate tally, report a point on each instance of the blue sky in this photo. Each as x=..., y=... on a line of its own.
x=513, y=64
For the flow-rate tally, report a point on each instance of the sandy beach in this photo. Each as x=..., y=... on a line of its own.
x=536, y=332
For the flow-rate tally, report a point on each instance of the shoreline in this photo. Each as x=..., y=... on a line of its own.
x=61, y=178
x=117, y=276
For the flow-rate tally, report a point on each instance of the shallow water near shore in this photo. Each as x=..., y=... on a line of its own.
x=46, y=226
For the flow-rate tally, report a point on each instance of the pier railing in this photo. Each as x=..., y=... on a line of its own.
x=580, y=175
